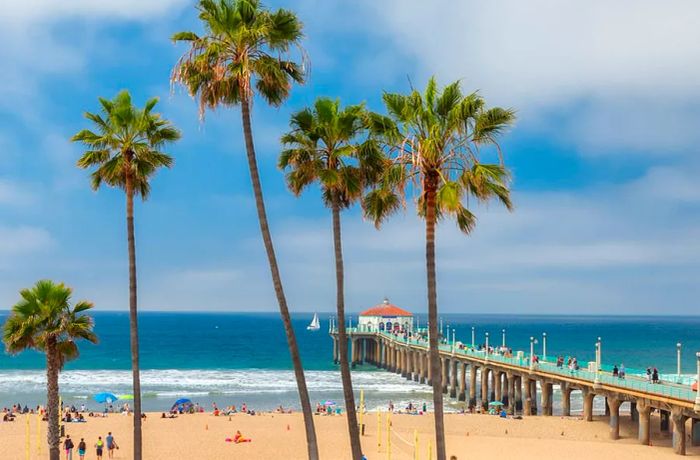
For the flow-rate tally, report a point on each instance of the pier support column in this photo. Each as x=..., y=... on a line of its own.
x=695, y=432
x=472, y=386
x=492, y=383
x=518, y=384
x=566, y=400
x=424, y=367
x=462, y=382
x=588, y=405
x=533, y=397
x=634, y=415
x=417, y=371
x=547, y=394
x=409, y=364
x=510, y=383
x=665, y=421
x=484, y=389
x=445, y=374
x=614, y=409
x=527, y=397
x=353, y=353
x=497, y=386
x=644, y=411
x=453, y=378
x=678, y=420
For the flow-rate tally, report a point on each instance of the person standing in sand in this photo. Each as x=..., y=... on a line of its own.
x=81, y=449
x=68, y=445
x=111, y=445
x=99, y=446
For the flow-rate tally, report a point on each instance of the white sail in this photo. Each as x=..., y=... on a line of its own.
x=315, y=324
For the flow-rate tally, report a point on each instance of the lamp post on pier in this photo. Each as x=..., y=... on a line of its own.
x=442, y=331
x=503, y=341
x=487, y=347
x=446, y=338
x=678, y=361
x=544, y=346
x=473, y=337
x=598, y=361
x=532, y=353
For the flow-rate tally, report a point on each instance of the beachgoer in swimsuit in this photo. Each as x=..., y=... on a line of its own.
x=82, y=448
x=99, y=446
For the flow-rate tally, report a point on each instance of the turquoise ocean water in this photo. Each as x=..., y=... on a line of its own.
x=239, y=357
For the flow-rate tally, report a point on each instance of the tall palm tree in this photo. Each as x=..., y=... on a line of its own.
x=245, y=50
x=434, y=141
x=326, y=145
x=125, y=152
x=44, y=320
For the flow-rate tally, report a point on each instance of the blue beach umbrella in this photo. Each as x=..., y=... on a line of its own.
x=183, y=402
x=107, y=398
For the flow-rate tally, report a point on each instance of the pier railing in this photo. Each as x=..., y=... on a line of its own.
x=522, y=360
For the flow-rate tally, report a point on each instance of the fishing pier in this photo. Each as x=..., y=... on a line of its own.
x=513, y=378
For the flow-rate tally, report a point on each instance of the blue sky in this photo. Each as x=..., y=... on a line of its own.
x=604, y=156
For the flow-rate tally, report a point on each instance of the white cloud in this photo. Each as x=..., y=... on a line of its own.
x=627, y=69
x=15, y=194
x=23, y=240
x=49, y=10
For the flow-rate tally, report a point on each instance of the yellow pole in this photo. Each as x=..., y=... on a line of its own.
x=379, y=431
x=430, y=449
x=415, y=444
x=27, y=441
x=388, y=435
x=362, y=407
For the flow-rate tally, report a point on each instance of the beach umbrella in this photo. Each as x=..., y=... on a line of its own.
x=182, y=402
x=495, y=403
x=107, y=398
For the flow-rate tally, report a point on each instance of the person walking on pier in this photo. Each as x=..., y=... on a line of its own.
x=616, y=371
x=655, y=376
x=649, y=374
x=622, y=371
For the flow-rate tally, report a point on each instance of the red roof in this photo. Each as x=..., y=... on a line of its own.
x=386, y=309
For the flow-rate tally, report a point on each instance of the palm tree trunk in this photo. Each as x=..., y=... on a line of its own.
x=355, y=445
x=430, y=188
x=52, y=409
x=133, y=315
x=311, y=442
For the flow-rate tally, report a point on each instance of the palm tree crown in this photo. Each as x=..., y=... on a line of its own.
x=435, y=140
x=326, y=145
x=126, y=141
x=44, y=315
x=243, y=42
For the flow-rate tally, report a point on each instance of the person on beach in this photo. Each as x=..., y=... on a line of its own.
x=68, y=445
x=111, y=445
x=99, y=446
x=81, y=449
x=238, y=438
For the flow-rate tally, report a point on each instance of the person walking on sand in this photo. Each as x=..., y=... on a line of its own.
x=111, y=445
x=99, y=446
x=68, y=445
x=81, y=449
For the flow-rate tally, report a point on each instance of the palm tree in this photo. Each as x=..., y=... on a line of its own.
x=44, y=320
x=124, y=151
x=434, y=142
x=244, y=51
x=325, y=147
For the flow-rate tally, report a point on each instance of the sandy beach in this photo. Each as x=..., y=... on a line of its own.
x=202, y=436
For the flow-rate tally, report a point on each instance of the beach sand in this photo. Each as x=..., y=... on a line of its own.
x=279, y=436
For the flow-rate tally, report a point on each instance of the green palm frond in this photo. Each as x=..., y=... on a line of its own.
x=129, y=143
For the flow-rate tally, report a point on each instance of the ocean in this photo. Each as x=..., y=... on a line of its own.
x=232, y=358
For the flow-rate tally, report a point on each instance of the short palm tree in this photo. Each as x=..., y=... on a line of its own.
x=435, y=141
x=44, y=320
x=327, y=145
x=125, y=152
x=243, y=52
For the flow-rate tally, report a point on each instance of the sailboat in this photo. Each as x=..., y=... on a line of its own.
x=315, y=324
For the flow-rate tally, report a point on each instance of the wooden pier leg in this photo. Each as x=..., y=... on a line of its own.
x=485, y=388
x=588, y=405
x=453, y=378
x=472, y=386
x=511, y=393
x=518, y=388
x=416, y=366
x=462, y=381
x=497, y=386
x=566, y=400
x=614, y=409
x=533, y=397
x=547, y=394
x=678, y=420
x=492, y=385
x=644, y=411
x=445, y=374
x=527, y=397
x=695, y=432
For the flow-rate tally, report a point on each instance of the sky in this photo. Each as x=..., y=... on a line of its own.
x=604, y=158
